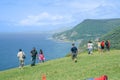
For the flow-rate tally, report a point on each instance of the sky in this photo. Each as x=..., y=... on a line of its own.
x=52, y=15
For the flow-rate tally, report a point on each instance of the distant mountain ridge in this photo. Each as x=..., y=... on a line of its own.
x=89, y=29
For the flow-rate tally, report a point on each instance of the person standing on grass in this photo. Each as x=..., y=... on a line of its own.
x=102, y=45
x=99, y=46
x=41, y=56
x=107, y=44
x=21, y=57
x=33, y=56
x=74, y=51
x=90, y=47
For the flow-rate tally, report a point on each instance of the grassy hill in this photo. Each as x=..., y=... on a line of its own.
x=89, y=29
x=65, y=69
x=114, y=37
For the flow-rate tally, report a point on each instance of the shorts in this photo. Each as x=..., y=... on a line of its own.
x=74, y=55
x=102, y=47
x=99, y=47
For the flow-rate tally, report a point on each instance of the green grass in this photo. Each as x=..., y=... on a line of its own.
x=88, y=66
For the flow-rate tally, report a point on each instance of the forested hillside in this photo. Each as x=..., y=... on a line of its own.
x=89, y=29
x=114, y=37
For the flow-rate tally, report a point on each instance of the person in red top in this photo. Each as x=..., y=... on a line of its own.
x=102, y=45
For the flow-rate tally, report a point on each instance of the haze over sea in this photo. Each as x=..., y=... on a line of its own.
x=11, y=43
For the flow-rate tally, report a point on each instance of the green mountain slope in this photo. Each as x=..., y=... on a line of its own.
x=88, y=66
x=89, y=29
x=114, y=37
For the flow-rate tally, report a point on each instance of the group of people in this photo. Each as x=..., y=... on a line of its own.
x=102, y=46
x=34, y=54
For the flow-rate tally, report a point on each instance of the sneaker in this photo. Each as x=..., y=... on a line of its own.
x=19, y=66
x=75, y=60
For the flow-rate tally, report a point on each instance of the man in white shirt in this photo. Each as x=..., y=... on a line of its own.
x=90, y=47
x=21, y=58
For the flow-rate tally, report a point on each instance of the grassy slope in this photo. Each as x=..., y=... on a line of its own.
x=65, y=69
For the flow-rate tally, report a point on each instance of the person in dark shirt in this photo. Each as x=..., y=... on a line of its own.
x=74, y=51
x=33, y=56
x=107, y=44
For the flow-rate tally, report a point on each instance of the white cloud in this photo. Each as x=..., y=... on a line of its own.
x=82, y=6
x=46, y=19
x=60, y=13
x=94, y=9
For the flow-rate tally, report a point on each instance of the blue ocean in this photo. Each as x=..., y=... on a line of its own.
x=11, y=43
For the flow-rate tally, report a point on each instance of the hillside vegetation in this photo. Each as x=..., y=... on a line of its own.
x=114, y=37
x=88, y=66
x=89, y=29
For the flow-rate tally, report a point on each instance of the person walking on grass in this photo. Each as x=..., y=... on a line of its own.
x=21, y=56
x=41, y=56
x=74, y=51
x=33, y=56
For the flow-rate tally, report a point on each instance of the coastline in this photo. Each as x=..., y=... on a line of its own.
x=52, y=48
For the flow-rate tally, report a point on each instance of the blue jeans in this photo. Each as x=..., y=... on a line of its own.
x=89, y=50
x=90, y=79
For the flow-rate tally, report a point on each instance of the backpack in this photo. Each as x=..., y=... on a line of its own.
x=23, y=56
x=102, y=44
x=103, y=77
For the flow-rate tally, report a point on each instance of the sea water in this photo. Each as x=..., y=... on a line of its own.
x=11, y=43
